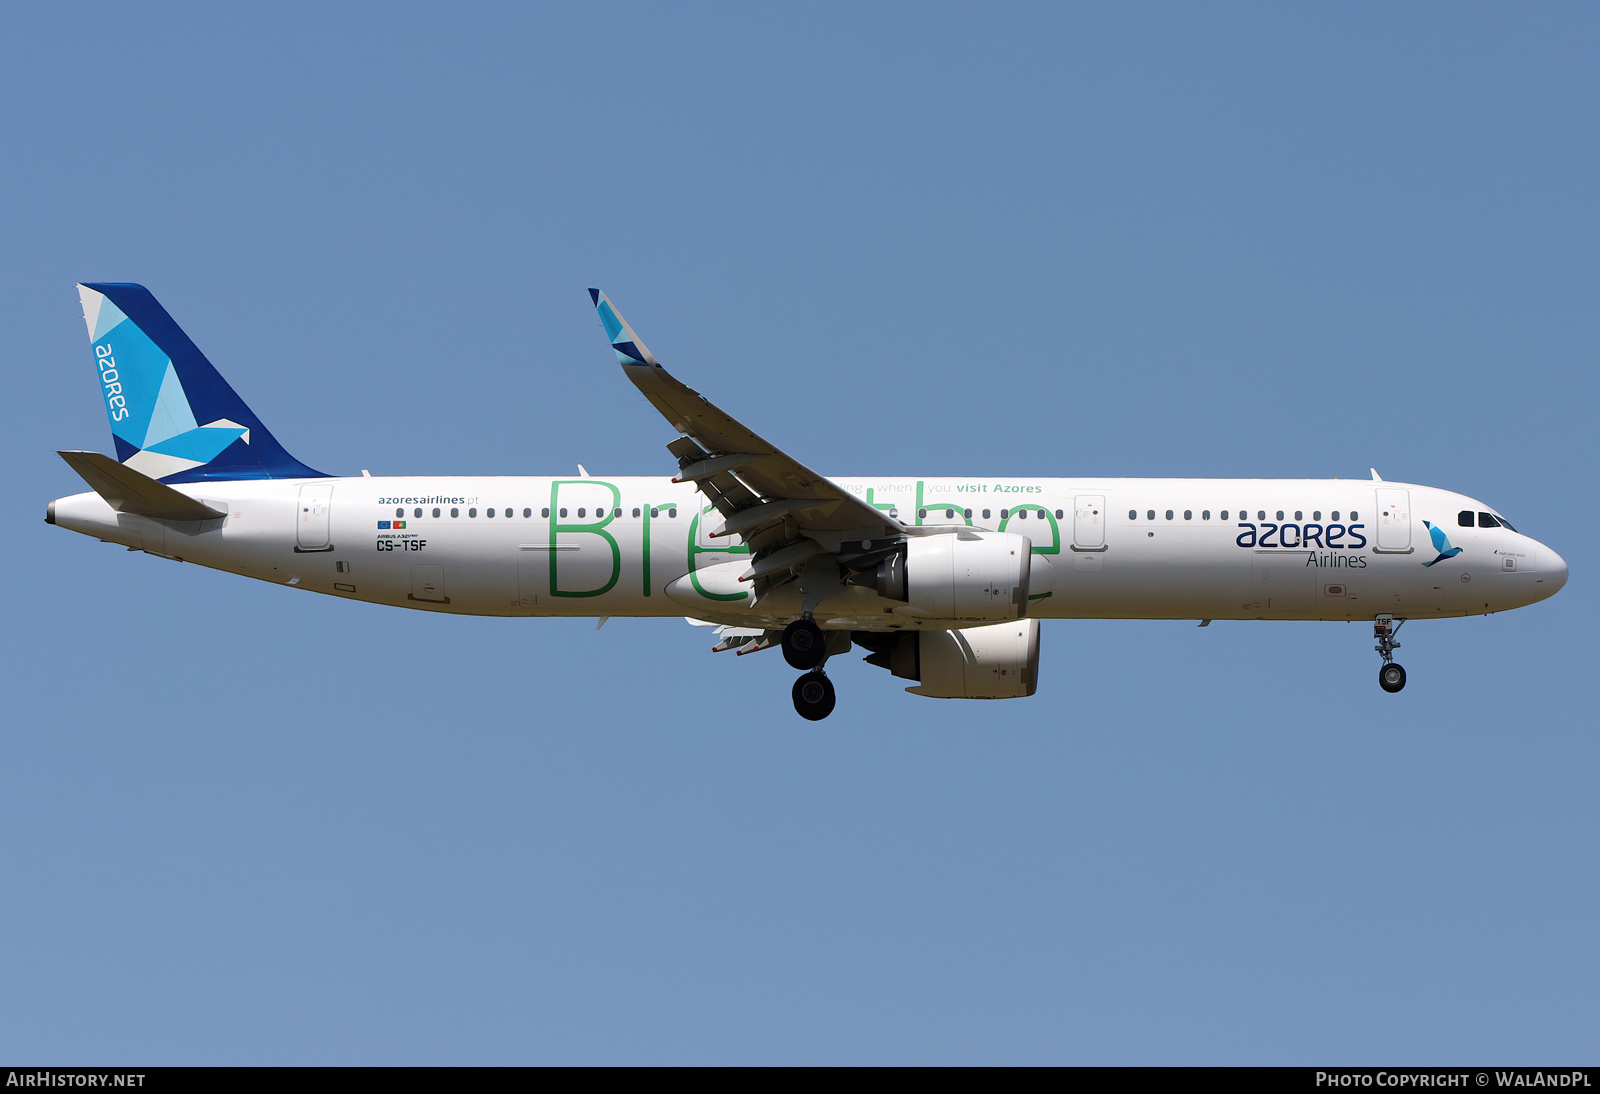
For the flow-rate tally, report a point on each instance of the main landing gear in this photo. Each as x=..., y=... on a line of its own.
x=1391, y=677
x=804, y=644
x=806, y=647
x=813, y=696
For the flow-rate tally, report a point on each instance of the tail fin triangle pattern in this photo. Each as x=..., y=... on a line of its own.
x=158, y=388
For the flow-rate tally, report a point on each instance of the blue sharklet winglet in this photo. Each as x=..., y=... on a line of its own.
x=629, y=348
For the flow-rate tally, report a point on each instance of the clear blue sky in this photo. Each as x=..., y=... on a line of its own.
x=239, y=823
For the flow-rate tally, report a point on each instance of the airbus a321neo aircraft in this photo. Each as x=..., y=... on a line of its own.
x=943, y=580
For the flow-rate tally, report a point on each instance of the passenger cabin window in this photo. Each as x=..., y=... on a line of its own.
x=1188, y=514
x=1205, y=514
x=1133, y=514
x=563, y=512
x=1005, y=514
x=966, y=514
x=527, y=512
x=1486, y=520
x=416, y=512
x=949, y=514
x=1150, y=515
x=1353, y=515
x=655, y=513
x=1297, y=515
x=582, y=512
x=1335, y=514
x=1280, y=514
x=673, y=512
x=544, y=512
x=455, y=512
x=436, y=512
x=472, y=512
x=1261, y=514
x=1169, y=514
x=1316, y=514
x=490, y=513
x=399, y=512
x=922, y=514
x=1464, y=518
x=636, y=513
x=1224, y=514
x=1058, y=514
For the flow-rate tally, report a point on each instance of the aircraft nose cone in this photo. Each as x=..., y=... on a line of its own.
x=1552, y=569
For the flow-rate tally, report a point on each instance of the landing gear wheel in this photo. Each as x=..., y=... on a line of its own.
x=1391, y=677
x=804, y=645
x=813, y=696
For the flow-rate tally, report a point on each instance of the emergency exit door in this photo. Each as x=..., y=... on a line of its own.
x=1089, y=522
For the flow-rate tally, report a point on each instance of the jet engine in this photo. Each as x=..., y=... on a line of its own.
x=998, y=661
x=958, y=575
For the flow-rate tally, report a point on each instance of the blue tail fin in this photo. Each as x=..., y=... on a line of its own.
x=173, y=416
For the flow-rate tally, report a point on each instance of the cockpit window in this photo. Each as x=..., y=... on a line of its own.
x=1486, y=520
x=1504, y=523
x=1464, y=518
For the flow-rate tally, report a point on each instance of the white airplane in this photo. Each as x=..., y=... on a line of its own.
x=942, y=580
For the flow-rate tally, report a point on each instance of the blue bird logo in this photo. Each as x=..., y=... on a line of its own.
x=1441, y=543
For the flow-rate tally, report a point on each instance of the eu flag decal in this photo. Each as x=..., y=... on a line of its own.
x=383, y=524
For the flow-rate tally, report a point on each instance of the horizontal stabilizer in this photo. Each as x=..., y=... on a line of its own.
x=129, y=491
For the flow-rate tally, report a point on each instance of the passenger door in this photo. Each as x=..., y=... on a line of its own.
x=312, y=517
x=1394, y=520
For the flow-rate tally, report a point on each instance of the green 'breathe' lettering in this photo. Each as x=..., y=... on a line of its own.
x=593, y=528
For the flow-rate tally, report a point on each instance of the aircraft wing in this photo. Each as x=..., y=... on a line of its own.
x=765, y=495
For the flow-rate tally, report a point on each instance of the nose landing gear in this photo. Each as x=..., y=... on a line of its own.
x=1391, y=677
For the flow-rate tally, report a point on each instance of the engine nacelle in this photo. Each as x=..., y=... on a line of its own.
x=960, y=575
x=998, y=661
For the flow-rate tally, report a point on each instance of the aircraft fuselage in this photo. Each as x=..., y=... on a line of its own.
x=1330, y=549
